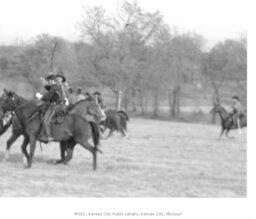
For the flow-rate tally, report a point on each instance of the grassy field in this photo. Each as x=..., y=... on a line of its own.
x=156, y=159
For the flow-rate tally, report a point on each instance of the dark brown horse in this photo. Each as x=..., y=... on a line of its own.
x=74, y=128
x=227, y=122
x=115, y=121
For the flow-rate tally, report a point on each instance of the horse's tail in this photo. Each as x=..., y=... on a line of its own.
x=95, y=134
x=124, y=114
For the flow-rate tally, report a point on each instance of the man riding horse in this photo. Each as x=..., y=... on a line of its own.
x=60, y=78
x=97, y=96
x=55, y=98
x=237, y=112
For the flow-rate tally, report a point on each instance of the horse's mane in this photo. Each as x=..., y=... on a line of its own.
x=30, y=104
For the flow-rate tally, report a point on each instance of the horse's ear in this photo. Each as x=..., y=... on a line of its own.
x=10, y=93
x=6, y=92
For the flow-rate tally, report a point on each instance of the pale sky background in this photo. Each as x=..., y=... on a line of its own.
x=215, y=20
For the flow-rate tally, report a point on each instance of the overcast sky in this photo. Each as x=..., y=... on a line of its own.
x=215, y=20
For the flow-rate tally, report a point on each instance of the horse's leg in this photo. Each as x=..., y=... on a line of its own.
x=32, y=151
x=123, y=126
x=222, y=131
x=69, y=146
x=24, y=150
x=85, y=144
x=69, y=155
x=111, y=130
x=227, y=132
x=119, y=128
x=9, y=143
x=123, y=132
x=63, y=150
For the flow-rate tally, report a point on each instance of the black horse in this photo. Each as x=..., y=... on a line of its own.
x=17, y=129
x=74, y=128
x=115, y=121
x=227, y=122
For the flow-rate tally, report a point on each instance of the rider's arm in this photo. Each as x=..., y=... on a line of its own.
x=47, y=87
x=48, y=96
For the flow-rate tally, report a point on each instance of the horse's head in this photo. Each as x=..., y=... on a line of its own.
x=216, y=108
x=10, y=101
x=94, y=109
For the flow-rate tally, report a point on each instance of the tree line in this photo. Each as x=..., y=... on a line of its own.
x=134, y=54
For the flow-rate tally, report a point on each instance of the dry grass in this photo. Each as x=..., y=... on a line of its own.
x=157, y=159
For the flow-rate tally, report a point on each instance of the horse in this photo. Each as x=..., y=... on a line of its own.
x=72, y=130
x=115, y=121
x=227, y=122
x=17, y=129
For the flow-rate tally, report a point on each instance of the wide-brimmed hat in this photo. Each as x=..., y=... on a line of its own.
x=50, y=76
x=96, y=93
x=235, y=98
x=61, y=75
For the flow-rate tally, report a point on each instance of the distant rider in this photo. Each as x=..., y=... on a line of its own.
x=237, y=112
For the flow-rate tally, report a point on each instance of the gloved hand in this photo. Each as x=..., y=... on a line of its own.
x=38, y=95
x=66, y=101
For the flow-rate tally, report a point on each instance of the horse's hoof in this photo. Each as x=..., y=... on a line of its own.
x=27, y=166
x=58, y=162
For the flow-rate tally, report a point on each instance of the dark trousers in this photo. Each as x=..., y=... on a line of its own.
x=48, y=117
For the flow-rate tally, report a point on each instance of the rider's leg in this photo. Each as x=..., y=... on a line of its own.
x=47, y=120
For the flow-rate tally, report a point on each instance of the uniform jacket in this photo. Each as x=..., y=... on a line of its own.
x=54, y=94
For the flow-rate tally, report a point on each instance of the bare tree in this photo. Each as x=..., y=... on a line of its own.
x=118, y=42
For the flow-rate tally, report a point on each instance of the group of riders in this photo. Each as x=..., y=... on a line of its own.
x=59, y=95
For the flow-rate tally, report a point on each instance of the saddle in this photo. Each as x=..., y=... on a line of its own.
x=60, y=115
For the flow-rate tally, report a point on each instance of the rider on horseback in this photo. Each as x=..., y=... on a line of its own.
x=98, y=98
x=71, y=96
x=80, y=95
x=237, y=112
x=60, y=78
x=54, y=98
